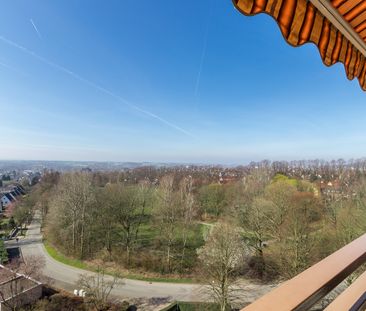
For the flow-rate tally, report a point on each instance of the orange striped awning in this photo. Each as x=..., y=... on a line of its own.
x=336, y=27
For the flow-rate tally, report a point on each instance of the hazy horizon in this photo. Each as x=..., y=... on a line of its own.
x=172, y=163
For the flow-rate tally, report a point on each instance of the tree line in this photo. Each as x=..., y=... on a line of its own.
x=160, y=225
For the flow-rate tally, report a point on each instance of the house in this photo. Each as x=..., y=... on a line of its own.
x=20, y=189
x=10, y=196
x=17, y=289
x=17, y=192
x=14, y=194
x=330, y=188
x=5, y=201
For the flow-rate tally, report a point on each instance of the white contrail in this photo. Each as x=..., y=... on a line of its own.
x=96, y=86
x=36, y=29
x=203, y=55
x=5, y=66
x=13, y=69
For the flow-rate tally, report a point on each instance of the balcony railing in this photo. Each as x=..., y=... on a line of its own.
x=307, y=288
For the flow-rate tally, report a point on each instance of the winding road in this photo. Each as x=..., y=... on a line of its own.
x=65, y=276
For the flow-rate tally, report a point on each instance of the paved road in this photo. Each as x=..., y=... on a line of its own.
x=66, y=276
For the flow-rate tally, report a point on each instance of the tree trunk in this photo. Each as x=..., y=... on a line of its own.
x=128, y=245
x=184, y=246
x=109, y=244
x=168, y=257
x=224, y=293
x=82, y=233
x=73, y=234
x=82, y=243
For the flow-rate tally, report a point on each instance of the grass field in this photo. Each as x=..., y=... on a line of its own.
x=55, y=254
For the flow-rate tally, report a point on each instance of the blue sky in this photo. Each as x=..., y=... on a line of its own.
x=189, y=81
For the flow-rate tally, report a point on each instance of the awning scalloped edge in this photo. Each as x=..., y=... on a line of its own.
x=301, y=22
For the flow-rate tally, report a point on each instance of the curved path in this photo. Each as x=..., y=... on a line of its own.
x=65, y=276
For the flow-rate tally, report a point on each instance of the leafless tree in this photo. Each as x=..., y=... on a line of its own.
x=295, y=251
x=20, y=276
x=71, y=208
x=98, y=287
x=188, y=210
x=255, y=221
x=126, y=207
x=167, y=214
x=221, y=256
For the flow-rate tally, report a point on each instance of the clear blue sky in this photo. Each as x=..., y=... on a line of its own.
x=191, y=81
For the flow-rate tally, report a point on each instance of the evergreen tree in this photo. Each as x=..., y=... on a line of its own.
x=12, y=224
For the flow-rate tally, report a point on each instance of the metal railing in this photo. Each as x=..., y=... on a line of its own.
x=307, y=288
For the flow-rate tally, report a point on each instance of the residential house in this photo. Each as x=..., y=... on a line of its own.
x=17, y=289
x=5, y=201
x=10, y=196
x=21, y=189
x=14, y=194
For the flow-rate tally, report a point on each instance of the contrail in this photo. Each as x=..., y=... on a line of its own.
x=36, y=29
x=6, y=66
x=203, y=55
x=13, y=69
x=95, y=86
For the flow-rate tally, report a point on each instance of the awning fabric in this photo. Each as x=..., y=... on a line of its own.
x=301, y=22
x=354, y=12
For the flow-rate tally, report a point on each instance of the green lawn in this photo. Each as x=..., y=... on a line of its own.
x=64, y=259
x=4, y=221
x=148, y=235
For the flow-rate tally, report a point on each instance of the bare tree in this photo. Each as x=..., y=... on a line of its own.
x=71, y=209
x=254, y=221
x=221, y=256
x=280, y=193
x=21, y=276
x=212, y=199
x=250, y=208
x=105, y=229
x=98, y=287
x=167, y=214
x=296, y=250
x=188, y=210
x=126, y=208
x=32, y=267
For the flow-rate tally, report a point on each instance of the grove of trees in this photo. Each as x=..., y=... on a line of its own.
x=281, y=217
